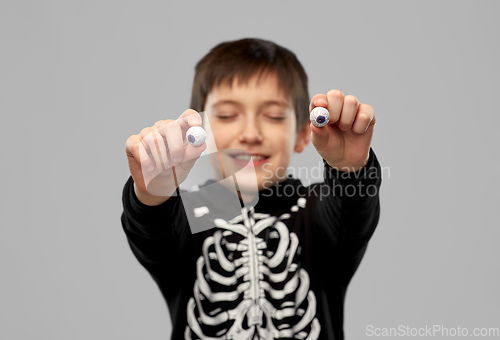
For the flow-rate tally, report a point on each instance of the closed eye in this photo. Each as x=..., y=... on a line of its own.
x=276, y=118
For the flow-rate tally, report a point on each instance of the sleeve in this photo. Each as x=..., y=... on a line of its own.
x=349, y=211
x=156, y=234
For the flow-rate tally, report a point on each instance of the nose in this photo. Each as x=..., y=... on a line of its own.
x=250, y=132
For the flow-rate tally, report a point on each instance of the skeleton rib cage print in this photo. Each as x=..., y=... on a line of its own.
x=250, y=283
x=276, y=267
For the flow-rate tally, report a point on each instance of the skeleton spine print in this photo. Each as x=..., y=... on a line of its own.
x=250, y=284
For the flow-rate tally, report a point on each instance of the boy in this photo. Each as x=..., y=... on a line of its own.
x=279, y=267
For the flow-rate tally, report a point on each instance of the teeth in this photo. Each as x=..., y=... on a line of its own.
x=247, y=157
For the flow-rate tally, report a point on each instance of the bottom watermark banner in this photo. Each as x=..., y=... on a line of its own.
x=431, y=331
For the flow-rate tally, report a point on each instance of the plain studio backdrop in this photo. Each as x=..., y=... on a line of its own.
x=79, y=77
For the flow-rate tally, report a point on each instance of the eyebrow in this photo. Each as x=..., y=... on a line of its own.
x=263, y=104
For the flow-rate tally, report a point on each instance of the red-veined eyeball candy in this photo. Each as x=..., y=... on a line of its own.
x=320, y=116
x=196, y=135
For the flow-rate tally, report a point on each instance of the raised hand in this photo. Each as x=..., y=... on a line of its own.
x=345, y=141
x=160, y=158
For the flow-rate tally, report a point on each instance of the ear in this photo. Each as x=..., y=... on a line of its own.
x=303, y=138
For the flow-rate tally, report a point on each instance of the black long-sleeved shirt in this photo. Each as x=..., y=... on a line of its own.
x=277, y=269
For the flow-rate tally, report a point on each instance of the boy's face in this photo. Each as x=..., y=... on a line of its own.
x=259, y=119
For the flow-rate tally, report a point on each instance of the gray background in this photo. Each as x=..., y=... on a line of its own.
x=78, y=78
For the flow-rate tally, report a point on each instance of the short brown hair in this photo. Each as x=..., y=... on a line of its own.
x=245, y=58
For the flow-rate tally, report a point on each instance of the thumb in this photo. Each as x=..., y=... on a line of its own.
x=192, y=154
x=182, y=169
x=320, y=136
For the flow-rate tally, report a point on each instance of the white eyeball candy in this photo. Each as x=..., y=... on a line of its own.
x=320, y=116
x=196, y=135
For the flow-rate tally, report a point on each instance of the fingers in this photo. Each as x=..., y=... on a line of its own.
x=348, y=114
x=137, y=150
x=364, y=118
x=173, y=134
x=162, y=152
x=151, y=148
x=335, y=103
x=345, y=111
x=164, y=145
x=146, y=161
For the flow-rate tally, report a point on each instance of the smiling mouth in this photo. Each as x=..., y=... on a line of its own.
x=247, y=157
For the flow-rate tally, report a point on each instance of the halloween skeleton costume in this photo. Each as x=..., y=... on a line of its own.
x=278, y=269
